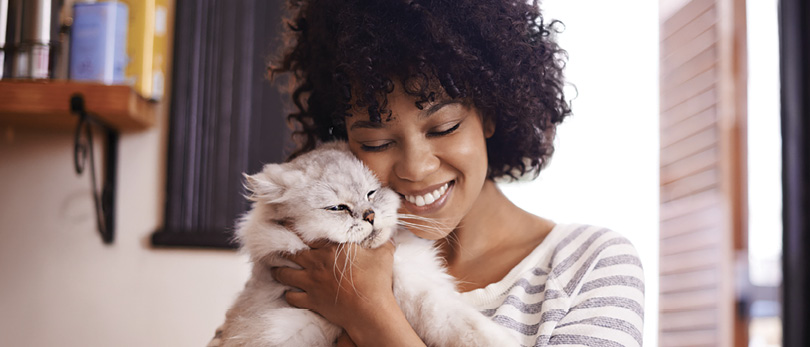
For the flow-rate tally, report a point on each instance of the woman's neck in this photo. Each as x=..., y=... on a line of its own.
x=480, y=229
x=491, y=239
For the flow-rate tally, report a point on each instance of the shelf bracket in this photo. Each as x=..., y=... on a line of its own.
x=83, y=150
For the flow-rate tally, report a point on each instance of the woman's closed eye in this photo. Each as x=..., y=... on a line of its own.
x=445, y=131
x=376, y=146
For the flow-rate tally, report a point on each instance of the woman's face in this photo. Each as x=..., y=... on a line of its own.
x=435, y=158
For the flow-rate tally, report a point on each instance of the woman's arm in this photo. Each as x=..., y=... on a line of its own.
x=351, y=287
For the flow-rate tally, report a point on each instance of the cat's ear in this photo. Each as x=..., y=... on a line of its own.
x=270, y=185
x=259, y=187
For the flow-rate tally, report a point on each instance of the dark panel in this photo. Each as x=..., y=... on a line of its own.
x=794, y=32
x=226, y=117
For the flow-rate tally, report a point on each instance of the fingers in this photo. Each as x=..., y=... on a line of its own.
x=290, y=277
x=299, y=258
x=298, y=299
x=305, y=258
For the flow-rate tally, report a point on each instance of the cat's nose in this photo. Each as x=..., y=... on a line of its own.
x=368, y=216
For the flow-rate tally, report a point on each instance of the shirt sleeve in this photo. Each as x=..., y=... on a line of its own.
x=606, y=292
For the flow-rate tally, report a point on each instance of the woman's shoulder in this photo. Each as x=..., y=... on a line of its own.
x=570, y=247
x=583, y=239
x=581, y=245
x=570, y=256
x=588, y=255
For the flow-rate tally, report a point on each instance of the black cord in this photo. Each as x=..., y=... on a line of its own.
x=84, y=149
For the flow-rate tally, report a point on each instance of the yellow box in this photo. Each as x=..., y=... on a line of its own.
x=146, y=46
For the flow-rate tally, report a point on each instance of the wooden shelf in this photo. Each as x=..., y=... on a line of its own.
x=46, y=104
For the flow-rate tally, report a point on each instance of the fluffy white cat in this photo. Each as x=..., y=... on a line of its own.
x=330, y=194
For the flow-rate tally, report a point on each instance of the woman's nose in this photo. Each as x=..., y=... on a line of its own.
x=417, y=162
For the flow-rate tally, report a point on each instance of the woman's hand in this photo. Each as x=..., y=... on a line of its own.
x=340, y=278
x=351, y=287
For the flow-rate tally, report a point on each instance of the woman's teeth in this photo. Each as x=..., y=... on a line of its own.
x=429, y=198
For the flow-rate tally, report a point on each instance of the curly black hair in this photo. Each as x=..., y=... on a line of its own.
x=498, y=55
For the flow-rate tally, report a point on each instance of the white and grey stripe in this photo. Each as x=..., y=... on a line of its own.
x=617, y=280
x=610, y=323
x=583, y=340
x=618, y=260
x=582, y=286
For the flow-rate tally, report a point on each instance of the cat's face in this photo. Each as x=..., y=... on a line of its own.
x=328, y=194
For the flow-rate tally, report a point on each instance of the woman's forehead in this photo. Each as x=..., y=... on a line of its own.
x=363, y=121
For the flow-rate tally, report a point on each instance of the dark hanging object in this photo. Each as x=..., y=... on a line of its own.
x=104, y=202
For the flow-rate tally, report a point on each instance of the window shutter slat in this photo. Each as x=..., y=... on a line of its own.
x=699, y=185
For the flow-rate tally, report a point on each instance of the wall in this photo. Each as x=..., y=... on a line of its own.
x=62, y=287
x=605, y=168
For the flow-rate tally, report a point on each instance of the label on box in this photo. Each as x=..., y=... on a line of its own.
x=98, y=42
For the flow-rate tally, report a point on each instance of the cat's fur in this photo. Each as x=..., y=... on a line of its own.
x=291, y=203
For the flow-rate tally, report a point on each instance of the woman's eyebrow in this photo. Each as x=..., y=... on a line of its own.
x=437, y=106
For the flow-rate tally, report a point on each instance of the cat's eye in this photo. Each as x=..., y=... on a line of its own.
x=338, y=208
x=370, y=195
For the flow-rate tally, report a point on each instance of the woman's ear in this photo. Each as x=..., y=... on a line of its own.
x=489, y=126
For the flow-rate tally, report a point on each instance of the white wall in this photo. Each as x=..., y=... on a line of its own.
x=60, y=286
x=605, y=169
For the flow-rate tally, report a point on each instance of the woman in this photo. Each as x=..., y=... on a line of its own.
x=440, y=99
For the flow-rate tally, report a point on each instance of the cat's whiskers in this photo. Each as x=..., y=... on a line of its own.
x=351, y=269
x=350, y=253
x=340, y=248
x=427, y=229
x=432, y=221
x=434, y=227
x=427, y=225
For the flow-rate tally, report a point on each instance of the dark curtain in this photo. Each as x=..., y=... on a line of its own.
x=226, y=117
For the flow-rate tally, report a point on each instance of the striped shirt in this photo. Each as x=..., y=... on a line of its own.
x=582, y=286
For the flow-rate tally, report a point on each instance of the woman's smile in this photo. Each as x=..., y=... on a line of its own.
x=427, y=203
x=434, y=156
